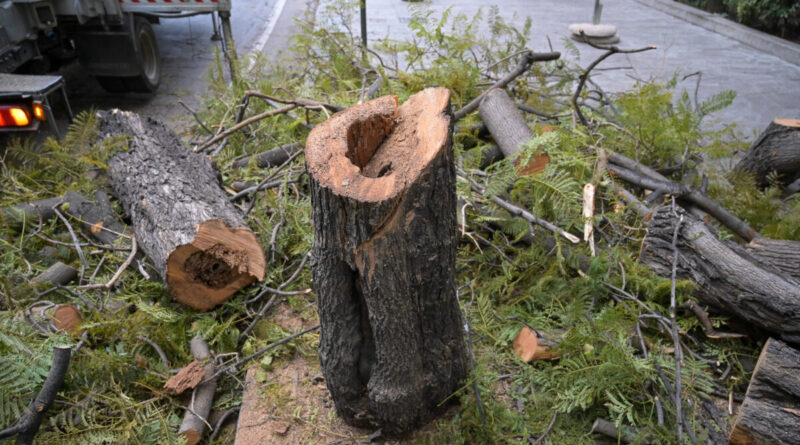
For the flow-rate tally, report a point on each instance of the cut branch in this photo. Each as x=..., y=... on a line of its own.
x=29, y=423
x=196, y=418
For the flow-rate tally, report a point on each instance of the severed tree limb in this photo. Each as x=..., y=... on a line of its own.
x=58, y=274
x=610, y=50
x=29, y=423
x=195, y=420
x=696, y=197
x=524, y=65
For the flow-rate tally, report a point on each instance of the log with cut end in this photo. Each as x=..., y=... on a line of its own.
x=509, y=129
x=196, y=239
x=770, y=413
x=727, y=280
x=384, y=209
x=532, y=344
x=776, y=150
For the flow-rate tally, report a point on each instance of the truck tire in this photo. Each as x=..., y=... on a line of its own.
x=148, y=60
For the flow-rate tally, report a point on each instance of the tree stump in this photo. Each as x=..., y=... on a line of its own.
x=726, y=277
x=196, y=238
x=776, y=150
x=770, y=413
x=384, y=210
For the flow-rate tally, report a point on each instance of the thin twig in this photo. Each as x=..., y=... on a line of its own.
x=196, y=117
x=158, y=350
x=118, y=273
x=243, y=124
x=674, y=325
x=610, y=50
x=523, y=66
x=84, y=263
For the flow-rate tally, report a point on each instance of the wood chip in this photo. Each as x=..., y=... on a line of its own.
x=187, y=378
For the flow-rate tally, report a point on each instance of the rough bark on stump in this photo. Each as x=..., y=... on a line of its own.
x=780, y=254
x=384, y=208
x=770, y=413
x=727, y=280
x=777, y=149
x=197, y=240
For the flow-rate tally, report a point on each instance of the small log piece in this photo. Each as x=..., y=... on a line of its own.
x=197, y=240
x=270, y=158
x=770, y=413
x=68, y=319
x=29, y=214
x=194, y=421
x=778, y=150
x=384, y=209
x=726, y=279
x=57, y=274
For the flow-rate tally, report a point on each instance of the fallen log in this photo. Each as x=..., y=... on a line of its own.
x=508, y=128
x=384, y=209
x=783, y=255
x=726, y=279
x=770, y=413
x=196, y=239
x=776, y=150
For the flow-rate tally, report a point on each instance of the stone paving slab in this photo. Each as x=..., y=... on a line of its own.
x=767, y=86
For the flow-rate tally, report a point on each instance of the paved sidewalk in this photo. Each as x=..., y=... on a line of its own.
x=767, y=86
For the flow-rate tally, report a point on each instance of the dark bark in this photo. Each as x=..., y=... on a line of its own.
x=28, y=424
x=270, y=158
x=59, y=273
x=196, y=239
x=783, y=255
x=727, y=280
x=96, y=217
x=29, y=214
x=776, y=150
x=770, y=413
x=194, y=421
x=384, y=210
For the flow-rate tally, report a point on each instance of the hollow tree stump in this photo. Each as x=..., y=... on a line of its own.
x=195, y=237
x=770, y=413
x=384, y=210
x=776, y=150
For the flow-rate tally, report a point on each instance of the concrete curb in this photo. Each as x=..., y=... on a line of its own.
x=761, y=41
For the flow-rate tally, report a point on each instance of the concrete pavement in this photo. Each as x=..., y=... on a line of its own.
x=766, y=86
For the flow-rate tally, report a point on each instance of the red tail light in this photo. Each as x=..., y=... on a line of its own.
x=11, y=116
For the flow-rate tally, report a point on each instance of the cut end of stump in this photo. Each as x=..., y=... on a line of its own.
x=373, y=151
x=216, y=264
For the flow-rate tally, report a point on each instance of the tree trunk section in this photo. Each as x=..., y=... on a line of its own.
x=384, y=209
x=770, y=413
x=727, y=280
x=778, y=150
x=197, y=240
x=783, y=255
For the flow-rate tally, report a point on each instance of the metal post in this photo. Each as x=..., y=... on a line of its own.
x=363, y=4
x=227, y=43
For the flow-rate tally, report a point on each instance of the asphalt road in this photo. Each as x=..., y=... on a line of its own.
x=187, y=53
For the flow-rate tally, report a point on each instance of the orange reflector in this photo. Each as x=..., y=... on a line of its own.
x=19, y=116
x=38, y=111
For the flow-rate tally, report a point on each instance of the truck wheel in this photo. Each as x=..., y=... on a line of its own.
x=149, y=60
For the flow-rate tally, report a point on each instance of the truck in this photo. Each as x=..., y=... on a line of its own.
x=112, y=39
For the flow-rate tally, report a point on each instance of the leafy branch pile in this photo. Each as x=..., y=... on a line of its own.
x=616, y=358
